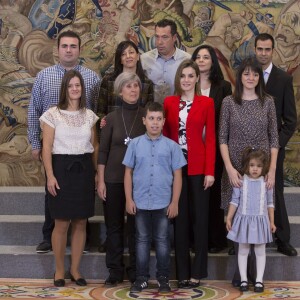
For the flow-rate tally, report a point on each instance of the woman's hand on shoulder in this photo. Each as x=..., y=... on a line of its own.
x=234, y=177
x=270, y=179
x=52, y=185
x=101, y=190
x=208, y=181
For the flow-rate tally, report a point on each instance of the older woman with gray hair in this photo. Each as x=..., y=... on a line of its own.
x=122, y=125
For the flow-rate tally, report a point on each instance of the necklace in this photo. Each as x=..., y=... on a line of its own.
x=128, y=139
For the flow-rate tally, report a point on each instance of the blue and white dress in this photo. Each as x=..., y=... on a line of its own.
x=251, y=223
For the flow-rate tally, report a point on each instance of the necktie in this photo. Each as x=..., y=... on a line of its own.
x=266, y=76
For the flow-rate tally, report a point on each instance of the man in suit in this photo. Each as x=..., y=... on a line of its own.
x=279, y=84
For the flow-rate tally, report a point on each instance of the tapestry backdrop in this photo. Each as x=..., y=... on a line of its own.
x=29, y=28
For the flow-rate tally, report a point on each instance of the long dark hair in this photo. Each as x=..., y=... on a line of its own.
x=215, y=74
x=118, y=65
x=251, y=64
x=63, y=96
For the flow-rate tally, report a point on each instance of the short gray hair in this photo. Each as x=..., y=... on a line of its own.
x=123, y=79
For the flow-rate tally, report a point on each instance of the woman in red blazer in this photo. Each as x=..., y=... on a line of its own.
x=190, y=121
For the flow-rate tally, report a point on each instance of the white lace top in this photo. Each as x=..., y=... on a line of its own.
x=72, y=130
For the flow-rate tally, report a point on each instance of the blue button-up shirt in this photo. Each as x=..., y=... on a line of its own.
x=153, y=163
x=45, y=93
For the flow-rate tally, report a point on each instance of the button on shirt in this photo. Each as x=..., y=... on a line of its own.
x=162, y=72
x=45, y=93
x=153, y=163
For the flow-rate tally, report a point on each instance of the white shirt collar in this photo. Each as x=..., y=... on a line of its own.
x=269, y=68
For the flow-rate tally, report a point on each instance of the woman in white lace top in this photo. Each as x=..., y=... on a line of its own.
x=68, y=146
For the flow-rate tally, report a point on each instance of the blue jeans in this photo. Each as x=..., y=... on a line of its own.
x=152, y=224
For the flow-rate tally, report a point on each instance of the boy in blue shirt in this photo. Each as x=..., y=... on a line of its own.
x=153, y=183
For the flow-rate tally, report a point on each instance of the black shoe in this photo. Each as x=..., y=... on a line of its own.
x=139, y=285
x=215, y=250
x=112, y=281
x=58, y=282
x=244, y=286
x=194, y=284
x=78, y=281
x=236, y=282
x=163, y=284
x=44, y=247
x=183, y=284
x=231, y=251
x=259, y=287
x=286, y=249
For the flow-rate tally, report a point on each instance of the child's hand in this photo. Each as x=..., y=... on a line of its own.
x=228, y=224
x=130, y=207
x=172, y=210
x=273, y=227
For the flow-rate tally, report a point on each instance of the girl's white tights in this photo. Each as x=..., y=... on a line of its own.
x=260, y=253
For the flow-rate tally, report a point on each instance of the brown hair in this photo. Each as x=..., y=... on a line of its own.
x=63, y=97
x=185, y=64
x=252, y=153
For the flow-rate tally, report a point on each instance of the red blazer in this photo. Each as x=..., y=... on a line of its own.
x=201, y=154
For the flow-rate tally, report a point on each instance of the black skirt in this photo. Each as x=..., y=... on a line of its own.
x=75, y=175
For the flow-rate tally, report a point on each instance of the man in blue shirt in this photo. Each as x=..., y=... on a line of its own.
x=161, y=63
x=45, y=93
x=153, y=183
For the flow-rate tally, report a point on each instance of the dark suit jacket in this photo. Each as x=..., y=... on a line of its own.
x=280, y=86
x=218, y=92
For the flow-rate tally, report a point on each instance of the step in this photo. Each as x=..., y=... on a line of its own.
x=30, y=201
x=27, y=230
x=23, y=262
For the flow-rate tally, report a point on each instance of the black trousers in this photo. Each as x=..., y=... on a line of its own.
x=280, y=214
x=216, y=225
x=114, y=210
x=49, y=222
x=193, y=215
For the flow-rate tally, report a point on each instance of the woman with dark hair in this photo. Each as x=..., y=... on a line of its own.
x=188, y=115
x=69, y=137
x=213, y=85
x=123, y=124
x=127, y=59
x=248, y=119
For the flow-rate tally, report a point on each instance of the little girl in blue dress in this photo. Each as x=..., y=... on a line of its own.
x=252, y=211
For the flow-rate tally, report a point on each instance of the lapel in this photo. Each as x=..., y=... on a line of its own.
x=195, y=106
x=272, y=79
x=213, y=91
